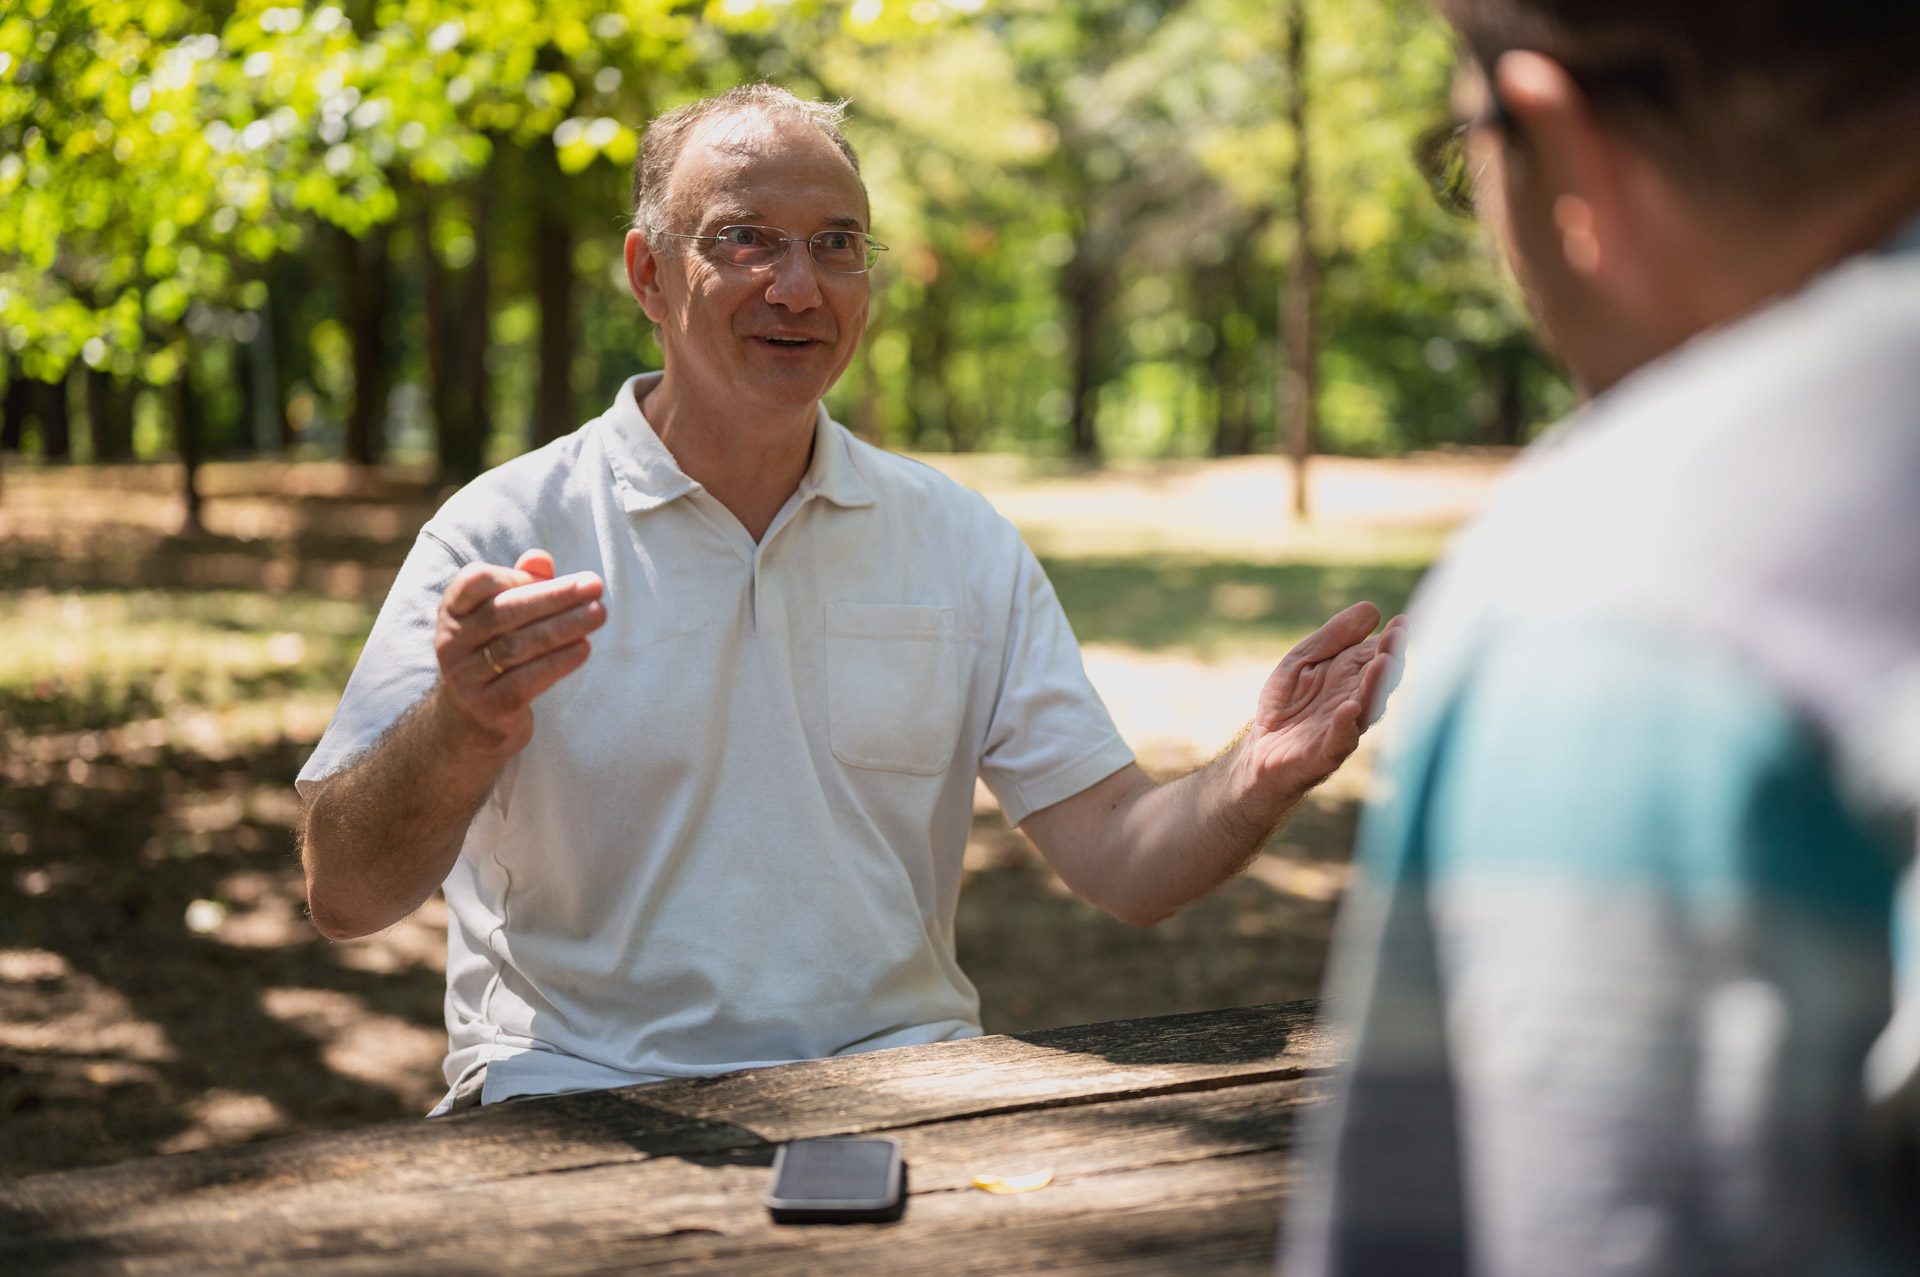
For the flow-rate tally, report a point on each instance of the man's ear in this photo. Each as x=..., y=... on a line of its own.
x=643, y=276
x=1575, y=161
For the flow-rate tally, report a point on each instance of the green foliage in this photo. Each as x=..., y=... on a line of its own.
x=1095, y=189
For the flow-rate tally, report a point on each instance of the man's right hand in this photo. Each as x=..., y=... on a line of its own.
x=377, y=838
x=505, y=635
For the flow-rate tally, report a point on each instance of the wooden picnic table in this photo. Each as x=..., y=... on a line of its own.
x=1168, y=1140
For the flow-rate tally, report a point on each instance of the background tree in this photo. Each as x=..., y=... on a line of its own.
x=390, y=229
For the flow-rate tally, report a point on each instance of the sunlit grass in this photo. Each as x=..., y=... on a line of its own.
x=83, y=660
x=1212, y=608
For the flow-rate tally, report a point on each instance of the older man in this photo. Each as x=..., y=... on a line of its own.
x=1621, y=984
x=733, y=836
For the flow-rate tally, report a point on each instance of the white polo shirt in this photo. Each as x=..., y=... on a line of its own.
x=735, y=838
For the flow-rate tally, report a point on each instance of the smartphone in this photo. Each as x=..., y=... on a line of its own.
x=837, y=1181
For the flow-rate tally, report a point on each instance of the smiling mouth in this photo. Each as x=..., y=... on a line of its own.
x=789, y=342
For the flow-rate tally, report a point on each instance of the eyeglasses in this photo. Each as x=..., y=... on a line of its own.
x=756, y=247
x=1440, y=153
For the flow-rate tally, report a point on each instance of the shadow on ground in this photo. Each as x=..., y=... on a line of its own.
x=159, y=990
x=159, y=987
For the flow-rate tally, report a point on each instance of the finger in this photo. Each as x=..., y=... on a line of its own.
x=519, y=685
x=528, y=642
x=475, y=583
x=1367, y=695
x=537, y=564
x=1377, y=682
x=1342, y=631
x=1343, y=735
x=525, y=604
x=1394, y=637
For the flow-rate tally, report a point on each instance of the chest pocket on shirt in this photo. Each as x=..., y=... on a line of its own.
x=893, y=686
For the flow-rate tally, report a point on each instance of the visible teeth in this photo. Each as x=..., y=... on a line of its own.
x=788, y=341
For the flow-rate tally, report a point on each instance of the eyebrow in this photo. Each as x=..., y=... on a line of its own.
x=748, y=217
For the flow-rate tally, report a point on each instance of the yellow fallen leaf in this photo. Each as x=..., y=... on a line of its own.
x=1014, y=1183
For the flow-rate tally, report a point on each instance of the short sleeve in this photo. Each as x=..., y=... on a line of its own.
x=1049, y=736
x=396, y=669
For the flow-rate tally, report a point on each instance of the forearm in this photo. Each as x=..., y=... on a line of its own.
x=379, y=837
x=1178, y=841
x=1142, y=850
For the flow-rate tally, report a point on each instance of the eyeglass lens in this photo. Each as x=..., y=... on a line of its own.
x=842, y=252
x=1441, y=154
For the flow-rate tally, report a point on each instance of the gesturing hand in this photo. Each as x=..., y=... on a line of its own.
x=1315, y=703
x=505, y=635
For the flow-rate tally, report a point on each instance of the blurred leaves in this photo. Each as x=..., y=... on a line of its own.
x=1093, y=191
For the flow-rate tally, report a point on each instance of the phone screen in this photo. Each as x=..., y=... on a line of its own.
x=829, y=1170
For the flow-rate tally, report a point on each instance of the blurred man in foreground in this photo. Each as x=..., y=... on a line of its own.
x=733, y=835
x=1621, y=983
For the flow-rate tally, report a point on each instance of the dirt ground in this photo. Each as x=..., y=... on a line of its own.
x=160, y=989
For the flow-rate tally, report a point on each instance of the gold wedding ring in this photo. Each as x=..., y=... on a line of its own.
x=487, y=656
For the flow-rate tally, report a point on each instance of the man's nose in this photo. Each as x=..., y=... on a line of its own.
x=795, y=281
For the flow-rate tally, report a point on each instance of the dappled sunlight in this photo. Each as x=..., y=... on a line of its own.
x=223, y=1117
x=418, y=942
x=1041, y=957
x=357, y=1042
x=161, y=988
x=148, y=888
x=50, y=1007
x=1371, y=511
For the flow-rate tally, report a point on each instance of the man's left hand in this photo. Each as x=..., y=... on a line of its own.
x=1319, y=699
x=1141, y=850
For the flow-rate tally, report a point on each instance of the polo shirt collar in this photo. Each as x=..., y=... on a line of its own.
x=647, y=477
x=831, y=474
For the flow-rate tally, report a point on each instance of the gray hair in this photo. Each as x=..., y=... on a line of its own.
x=667, y=136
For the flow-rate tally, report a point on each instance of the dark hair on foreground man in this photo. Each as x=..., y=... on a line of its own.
x=1633, y=982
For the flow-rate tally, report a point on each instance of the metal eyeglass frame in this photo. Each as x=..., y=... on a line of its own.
x=786, y=242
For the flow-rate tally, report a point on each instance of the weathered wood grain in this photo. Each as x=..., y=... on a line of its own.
x=884, y=1090
x=1134, y=1116
x=670, y=1210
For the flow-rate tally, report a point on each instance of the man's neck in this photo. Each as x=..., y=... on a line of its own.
x=1727, y=263
x=750, y=461
x=1754, y=260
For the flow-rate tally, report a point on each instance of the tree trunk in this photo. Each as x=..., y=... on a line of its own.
x=457, y=335
x=19, y=403
x=56, y=421
x=1299, y=388
x=1088, y=288
x=1226, y=373
x=186, y=441
x=929, y=346
x=369, y=282
x=1504, y=368
x=866, y=410
x=434, y=301
x=476, y=313
x=240, y=440
x=266, y=413
x=553, y=413
x=290, y=357
x=110, y=409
